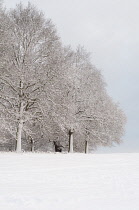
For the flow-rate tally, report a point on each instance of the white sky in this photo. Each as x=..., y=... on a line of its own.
x=109, y=30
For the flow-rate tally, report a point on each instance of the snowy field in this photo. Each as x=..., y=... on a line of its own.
x=69, y=181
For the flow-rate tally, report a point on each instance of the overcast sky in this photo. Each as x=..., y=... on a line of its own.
x=110, y=31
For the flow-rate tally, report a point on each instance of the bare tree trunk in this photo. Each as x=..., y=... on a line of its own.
x=20, y=124
x=86, y=147
x=32, y=145
x=19, y=134
x=71, y=140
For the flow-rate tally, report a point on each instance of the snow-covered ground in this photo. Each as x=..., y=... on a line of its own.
x=69, y=181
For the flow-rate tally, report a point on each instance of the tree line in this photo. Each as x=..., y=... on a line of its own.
x=50, y=92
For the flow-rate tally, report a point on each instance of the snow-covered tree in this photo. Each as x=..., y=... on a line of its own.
x=91, y=113
x=101, y=121
x=29, y=63
x=49, y=92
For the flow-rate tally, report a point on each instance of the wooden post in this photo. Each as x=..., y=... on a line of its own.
x=71, y=131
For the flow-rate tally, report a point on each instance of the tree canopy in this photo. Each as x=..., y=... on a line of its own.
x=46, y=88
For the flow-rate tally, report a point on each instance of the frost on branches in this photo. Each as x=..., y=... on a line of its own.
x=47, y=89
